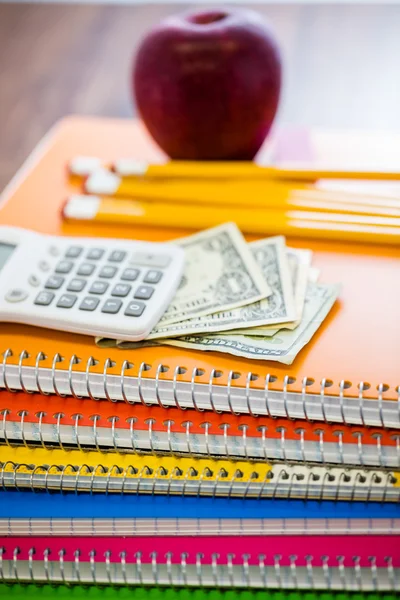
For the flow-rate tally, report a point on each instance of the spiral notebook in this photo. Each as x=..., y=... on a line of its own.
x=68, y=423
x=22, y=505
x=337, y=563
x=49, y=515
x=61, y=470
x=346, y=374
x=65, y=592
x=292, y=562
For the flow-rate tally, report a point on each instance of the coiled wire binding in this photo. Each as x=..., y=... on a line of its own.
x=196, y=372
x=189, y=449
x=155, y=570
x=369, y=486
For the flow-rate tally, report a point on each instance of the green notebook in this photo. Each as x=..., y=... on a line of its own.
x=61, y=592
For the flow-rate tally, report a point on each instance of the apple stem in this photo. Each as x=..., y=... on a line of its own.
x=208, y=17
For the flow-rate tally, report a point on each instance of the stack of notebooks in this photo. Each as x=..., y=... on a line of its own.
x=162, y=468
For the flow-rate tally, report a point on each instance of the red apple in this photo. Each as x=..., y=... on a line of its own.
x=207, y=84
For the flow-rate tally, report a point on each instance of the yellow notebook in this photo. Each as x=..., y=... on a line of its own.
x=26, y=468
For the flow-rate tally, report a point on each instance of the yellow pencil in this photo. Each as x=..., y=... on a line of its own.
x=265, y=194
x=83, y=166
x=296, y=223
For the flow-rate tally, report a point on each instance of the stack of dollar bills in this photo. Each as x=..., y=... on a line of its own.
x=257, y=300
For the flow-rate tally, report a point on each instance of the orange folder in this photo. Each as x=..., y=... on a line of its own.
x=359, y=342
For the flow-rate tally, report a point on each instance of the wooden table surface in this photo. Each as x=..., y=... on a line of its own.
x=341, y=66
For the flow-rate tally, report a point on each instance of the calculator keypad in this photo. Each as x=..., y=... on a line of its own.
x=85, y=269
x=73, y=252
x=54, y=282
x=108, y=272
x=111, y=306
x=98, y=287
x=117, y=256
x=44, y=266
x=95, y=254
x=64, y=266
x=121, y=290
x=89, y=303
x=152, y=276
x=130, y=274
x=144, y=292
x=44, y=298
x=132, y=277
x=34, y=280
x=67, y=301
x=16, y=295
x=135, y=309
x=76, y=285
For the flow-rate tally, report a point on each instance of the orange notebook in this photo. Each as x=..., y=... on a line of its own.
x=70, y=424
x=348, y=373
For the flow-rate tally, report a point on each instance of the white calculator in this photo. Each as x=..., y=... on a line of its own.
x=93, y=286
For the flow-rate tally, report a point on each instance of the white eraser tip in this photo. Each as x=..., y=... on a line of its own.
x=102, y=182
x=82, y=207
x=84, y=165
x=129, y=166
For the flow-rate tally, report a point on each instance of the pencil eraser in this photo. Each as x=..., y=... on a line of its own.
x=84, y=165
x=129, y=166
x=102, y=182
x=81, y=207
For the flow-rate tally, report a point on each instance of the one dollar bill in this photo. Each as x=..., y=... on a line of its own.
x=220, y=274
x=282, y=347
x=299, y=267
x=271, y=257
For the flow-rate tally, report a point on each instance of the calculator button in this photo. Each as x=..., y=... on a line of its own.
x=44, y=298
x=111, y=306
x=135, y=309
x=130, y=274
x=33, y=280
x=17, y=295
x=67, y=301
x=44, y=266
x=117, y=256
x=152, y=276
x=64, y=266
x=85, y=269
x=150, y=260
x=107, y=272
x=54, y=251
x=89, y=303
x=144, y=292
x=74, y=252
x=121, y=289
x=95, y=254
x=54, y=282
x=98, y=287
x=76, y=285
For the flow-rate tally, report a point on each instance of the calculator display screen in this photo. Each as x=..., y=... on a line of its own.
x=5, y=252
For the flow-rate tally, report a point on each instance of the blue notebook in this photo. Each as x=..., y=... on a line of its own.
x=38, y=505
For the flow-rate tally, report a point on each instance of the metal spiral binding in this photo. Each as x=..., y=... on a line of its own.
x=125, y=367
x=90, y=363
x=143, y=367
x=39, y=358
x=6, y=355
x=135, y=572
x=121, y=477
x=113, y=420
x=196, y=372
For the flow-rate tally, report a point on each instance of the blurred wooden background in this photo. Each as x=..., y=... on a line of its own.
x=341, y=66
